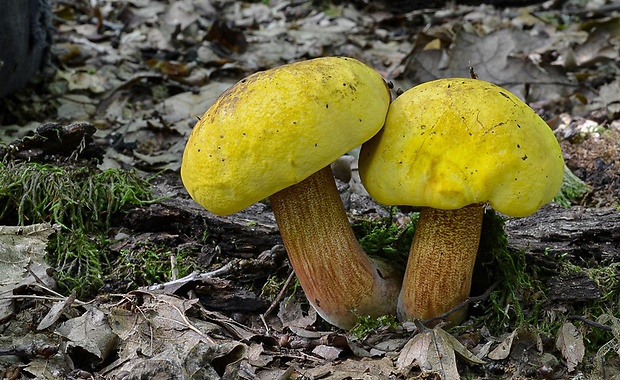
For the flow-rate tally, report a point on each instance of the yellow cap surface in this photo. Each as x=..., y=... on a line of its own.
x=453, y=142
x=277, y=127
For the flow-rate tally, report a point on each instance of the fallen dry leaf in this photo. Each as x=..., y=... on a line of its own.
x=291, y=315
x=503, y=349
x=500, y=57
x=458, y=347
x=88, y=339
x=415, y=352
x=569, y=342
x=22, y=250
x=434, y=351
x=56, y=312
x=158, y=336
x=352, y=369
x=20, y=246
x=329, y=353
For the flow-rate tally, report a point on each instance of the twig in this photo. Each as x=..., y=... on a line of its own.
x=44, y=298
x=469, y=300
x=195, y=276
x=191, y=326
x=31, y=297
x=174, y=269
x=276, y=301
x=590, y=322
x=59, y=295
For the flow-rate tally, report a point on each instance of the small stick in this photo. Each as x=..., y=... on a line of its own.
x=174, y=268
x=590, y=322
x=469, y=300
x=195, y=276
x=44, y=298
x=191, y=326
x=276, y=301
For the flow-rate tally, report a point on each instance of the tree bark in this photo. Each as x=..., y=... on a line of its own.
x=581, y=234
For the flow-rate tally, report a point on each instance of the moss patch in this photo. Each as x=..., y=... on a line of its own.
x=572, y=191
x=388, y=238
x=81, y=200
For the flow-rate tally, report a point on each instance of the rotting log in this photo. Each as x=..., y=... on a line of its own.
x=589, y=237
x=579, y=233
x=582, y=235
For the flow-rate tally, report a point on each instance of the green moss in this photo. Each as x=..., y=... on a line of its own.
x=271, y=288
x=520, y=298
x=573, y=189
x=148, y=264
x=81, y=200
x=365, y=325
x=607, y=279
x=388, y=238
x=517, y=299
x=274, y=285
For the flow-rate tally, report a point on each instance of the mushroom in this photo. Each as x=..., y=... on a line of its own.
x=452, y=146
x=274, y=134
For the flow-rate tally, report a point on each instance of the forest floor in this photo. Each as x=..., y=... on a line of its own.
x=125, y=85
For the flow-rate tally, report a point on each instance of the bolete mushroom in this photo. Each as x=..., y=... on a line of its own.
x=451, y=146
x=274, y=134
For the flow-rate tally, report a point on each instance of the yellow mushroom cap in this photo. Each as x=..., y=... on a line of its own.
x=275, y=128
x=453, y=142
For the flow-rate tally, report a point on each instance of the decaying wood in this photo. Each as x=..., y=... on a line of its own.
x=589, y=235
x=586, y=236
x=244, y=234
x=570, y=288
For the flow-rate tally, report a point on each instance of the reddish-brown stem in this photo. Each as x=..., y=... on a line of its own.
x=441, y=262
x=339, y=279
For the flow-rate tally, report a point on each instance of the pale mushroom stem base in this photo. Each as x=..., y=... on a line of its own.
x=441, y=262
x=337, y=276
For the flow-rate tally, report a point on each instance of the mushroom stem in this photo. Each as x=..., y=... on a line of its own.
x=337, y=276
x=441, y=263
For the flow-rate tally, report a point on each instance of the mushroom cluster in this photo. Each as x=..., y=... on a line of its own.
x=452, y=146
x=274, y=134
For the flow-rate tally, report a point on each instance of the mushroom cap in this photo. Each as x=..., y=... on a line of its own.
x=277, y=127
x=454, y=142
